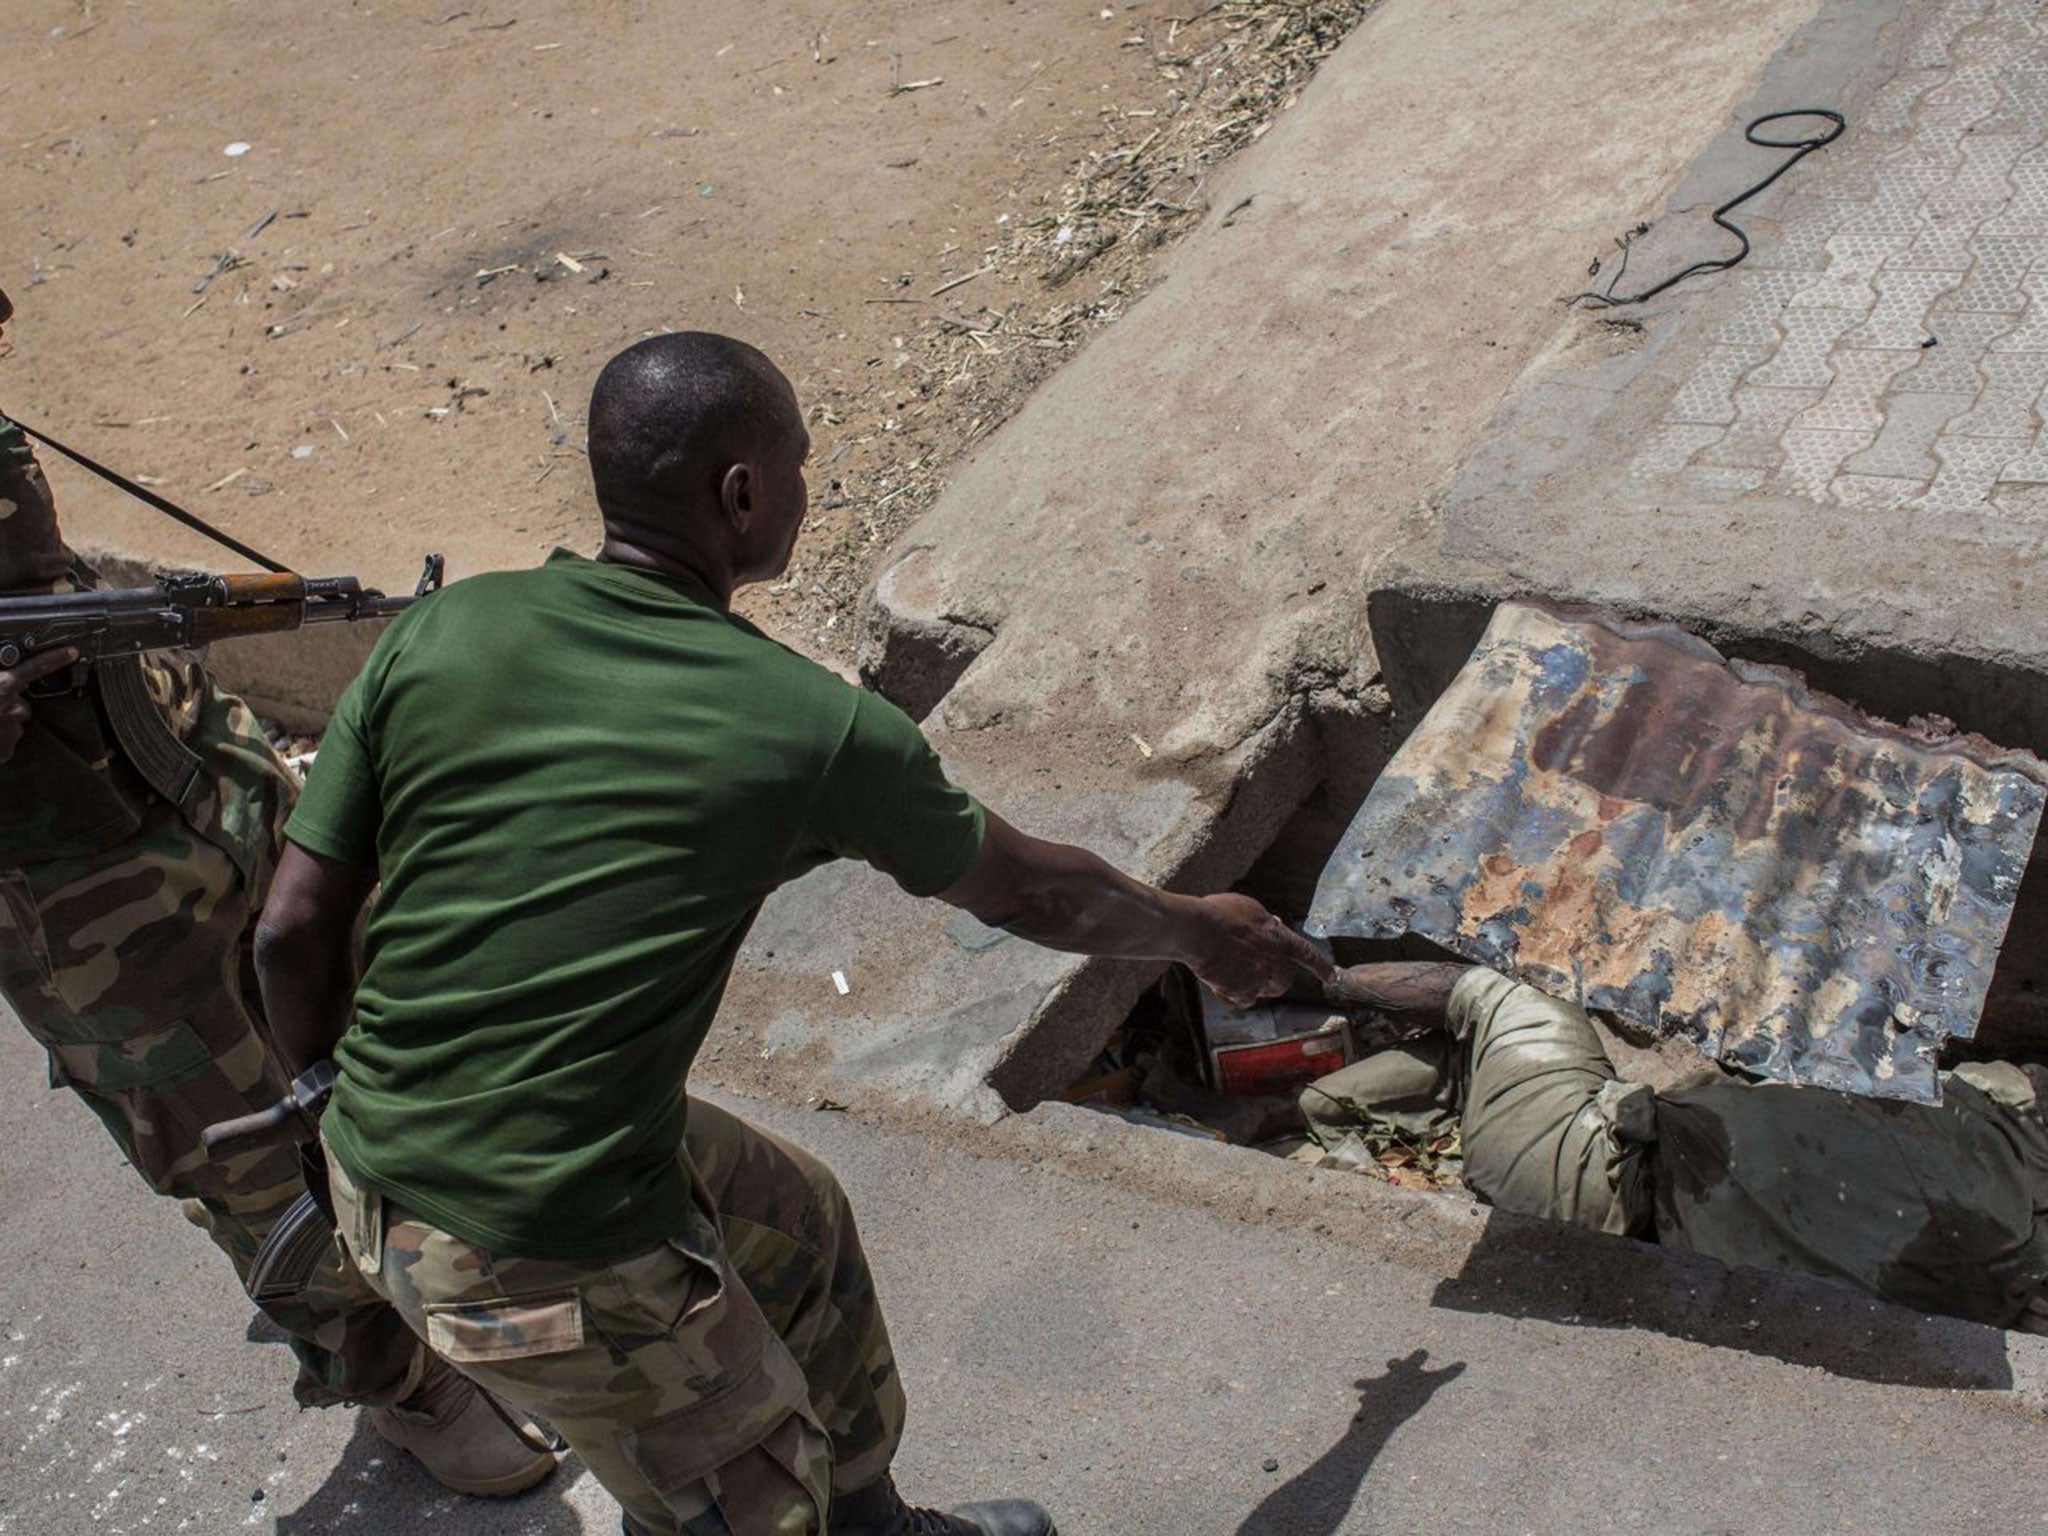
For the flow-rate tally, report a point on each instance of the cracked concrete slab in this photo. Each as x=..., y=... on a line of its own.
x=1146, y=582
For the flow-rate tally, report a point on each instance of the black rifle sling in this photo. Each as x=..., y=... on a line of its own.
x=150, y=498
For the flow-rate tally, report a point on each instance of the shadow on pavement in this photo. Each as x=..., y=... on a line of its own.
x=1317, y=1500
x=378, y=1491
x=1535, y=1269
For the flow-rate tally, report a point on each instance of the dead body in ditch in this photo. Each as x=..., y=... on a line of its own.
x=1938, y=1207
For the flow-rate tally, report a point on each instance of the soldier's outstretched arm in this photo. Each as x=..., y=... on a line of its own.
x=1067, y=898
x=305, y=952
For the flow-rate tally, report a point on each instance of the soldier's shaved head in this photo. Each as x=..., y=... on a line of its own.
x=669, y=415
x=697, y=449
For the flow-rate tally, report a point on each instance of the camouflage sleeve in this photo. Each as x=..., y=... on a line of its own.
x=246, y=789
x=32, y=553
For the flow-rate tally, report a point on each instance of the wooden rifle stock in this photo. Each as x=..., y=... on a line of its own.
x=246, y=619
x=264, y=587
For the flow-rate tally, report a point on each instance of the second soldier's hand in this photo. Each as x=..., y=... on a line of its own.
x=1067, y=898
x=1243, y=953
x=14, y=685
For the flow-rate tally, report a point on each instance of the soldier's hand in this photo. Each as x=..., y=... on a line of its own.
x=14, y=686
x=1245, y=954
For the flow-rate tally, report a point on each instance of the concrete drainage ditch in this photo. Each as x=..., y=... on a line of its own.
x=1179, y=1063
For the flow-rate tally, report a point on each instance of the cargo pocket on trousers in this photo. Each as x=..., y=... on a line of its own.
x=153, y=1059
x=139, y=1090
x=753, y=1451
x=505, y=1327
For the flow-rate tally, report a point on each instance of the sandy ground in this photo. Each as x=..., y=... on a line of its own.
x=339, y=275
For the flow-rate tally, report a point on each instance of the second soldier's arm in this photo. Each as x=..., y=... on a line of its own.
x=1399, y=986
x=33, y=560
x=305, y=952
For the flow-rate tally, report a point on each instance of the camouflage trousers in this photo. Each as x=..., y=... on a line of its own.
x=132, y=969
x=723, y=1385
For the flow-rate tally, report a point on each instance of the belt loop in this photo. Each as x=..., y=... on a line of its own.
x=362, y=1217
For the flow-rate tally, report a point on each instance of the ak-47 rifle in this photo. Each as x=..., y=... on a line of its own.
x=188, y=608
x=184, y=608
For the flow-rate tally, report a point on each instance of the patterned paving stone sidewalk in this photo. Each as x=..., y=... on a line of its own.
x=1889, y=347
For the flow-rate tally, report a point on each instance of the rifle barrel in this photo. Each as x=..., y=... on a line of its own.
x=367, y=605
x=184, y=608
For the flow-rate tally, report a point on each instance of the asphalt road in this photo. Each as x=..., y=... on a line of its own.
x=1135, y=1363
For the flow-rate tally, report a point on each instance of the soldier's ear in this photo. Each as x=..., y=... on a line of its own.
x=736, y=496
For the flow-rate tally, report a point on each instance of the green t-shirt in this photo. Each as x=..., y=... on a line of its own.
x=578, y=784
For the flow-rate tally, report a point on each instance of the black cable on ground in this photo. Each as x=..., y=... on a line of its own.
x=1800, y=148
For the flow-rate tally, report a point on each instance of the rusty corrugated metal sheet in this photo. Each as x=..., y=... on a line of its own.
x=1616, y=813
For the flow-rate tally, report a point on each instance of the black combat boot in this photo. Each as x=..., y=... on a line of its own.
x=879, y=1510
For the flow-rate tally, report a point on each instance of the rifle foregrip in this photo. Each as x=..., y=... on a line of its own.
x=211, y=624
x=264, y=587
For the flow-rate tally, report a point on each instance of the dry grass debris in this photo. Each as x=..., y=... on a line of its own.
x=1052, y=277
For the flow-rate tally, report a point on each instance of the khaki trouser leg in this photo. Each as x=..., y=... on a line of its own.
x=711, y=1386
x=132, y=971
x=1548, y=1128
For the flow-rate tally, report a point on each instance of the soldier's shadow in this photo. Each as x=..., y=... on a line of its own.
x=375, y=1488
x=1317, y=1499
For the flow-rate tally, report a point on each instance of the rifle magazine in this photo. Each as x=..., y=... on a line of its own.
x=302, y=1237
x=166, y=764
